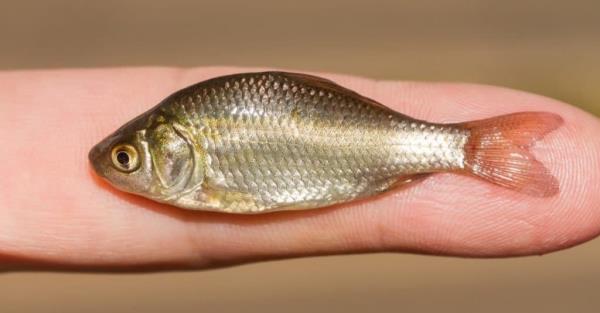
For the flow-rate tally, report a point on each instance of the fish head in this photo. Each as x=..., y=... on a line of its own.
x=153, y=159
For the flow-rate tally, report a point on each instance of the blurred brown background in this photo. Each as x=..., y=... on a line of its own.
x=547, y=47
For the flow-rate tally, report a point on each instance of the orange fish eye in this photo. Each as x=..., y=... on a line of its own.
x=125, y=158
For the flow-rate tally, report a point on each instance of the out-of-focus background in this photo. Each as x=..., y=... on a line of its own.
x=547, y=47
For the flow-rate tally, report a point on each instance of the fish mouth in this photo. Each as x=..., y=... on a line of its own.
x=93, y=154
x=95, y=158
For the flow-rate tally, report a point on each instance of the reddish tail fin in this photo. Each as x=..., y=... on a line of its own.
x=497, y=151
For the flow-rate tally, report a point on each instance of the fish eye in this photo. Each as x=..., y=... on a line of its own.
x=125, y=158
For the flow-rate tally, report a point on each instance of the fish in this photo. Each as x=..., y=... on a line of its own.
x=262, y=142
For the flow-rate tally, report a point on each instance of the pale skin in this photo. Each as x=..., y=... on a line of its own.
x=55, y=214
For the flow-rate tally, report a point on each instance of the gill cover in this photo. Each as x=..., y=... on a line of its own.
x=176, y=158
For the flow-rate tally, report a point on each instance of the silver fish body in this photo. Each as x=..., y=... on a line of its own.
x=261, y=142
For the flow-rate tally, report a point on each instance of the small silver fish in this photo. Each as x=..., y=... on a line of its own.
x=270, y=141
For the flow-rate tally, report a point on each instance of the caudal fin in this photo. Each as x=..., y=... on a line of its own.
x=498, y=151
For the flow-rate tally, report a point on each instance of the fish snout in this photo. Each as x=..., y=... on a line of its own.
x=94, y=154
x=97, y=158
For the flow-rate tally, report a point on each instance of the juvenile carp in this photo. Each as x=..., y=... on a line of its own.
x=262, y=142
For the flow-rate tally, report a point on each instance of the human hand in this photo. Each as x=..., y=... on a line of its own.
x=55, y=214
